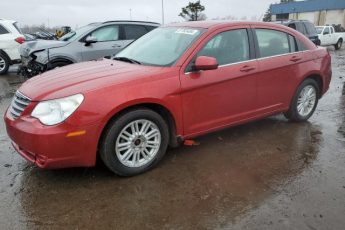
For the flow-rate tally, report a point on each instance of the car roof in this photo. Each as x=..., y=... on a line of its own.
x=132, y=22
x=7, y=20
x=214, y=24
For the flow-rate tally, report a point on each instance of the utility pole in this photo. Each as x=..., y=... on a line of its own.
x=162, y=12
x=130, y=14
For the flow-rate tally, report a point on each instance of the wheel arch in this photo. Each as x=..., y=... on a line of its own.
x=162, y=110
x=6, y=55
x=62, y=59
x=319, y=80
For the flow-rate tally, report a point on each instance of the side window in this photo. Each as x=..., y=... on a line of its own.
x=301, y=28
x=149, y=28
x=3, y=30
x=310, y=28
x=106, y=33
x=326, y=30
x=332, y=30
x=133, y=32
x=228, y=47
x=272, y=42
x=292, y=25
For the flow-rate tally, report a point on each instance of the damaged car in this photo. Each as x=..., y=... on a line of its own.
x=89, y=42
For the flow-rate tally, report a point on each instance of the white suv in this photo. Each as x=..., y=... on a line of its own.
x=10, y=39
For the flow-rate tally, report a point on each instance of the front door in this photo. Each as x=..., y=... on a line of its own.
x=108, y=43
x=215, y=98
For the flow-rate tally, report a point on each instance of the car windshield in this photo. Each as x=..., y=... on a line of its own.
x=73, y=35
x=161, y=47
x=319, y=29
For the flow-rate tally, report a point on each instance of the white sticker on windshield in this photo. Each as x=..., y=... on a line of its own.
x=186, y=31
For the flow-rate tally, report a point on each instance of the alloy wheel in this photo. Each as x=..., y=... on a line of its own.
x=138, y=143
x=2, y=64
x=306, y=101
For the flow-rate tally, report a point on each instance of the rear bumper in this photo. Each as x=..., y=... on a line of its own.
x=50, y=146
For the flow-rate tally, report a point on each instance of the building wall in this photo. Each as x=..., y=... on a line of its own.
x=335, y=17
x=320, y=18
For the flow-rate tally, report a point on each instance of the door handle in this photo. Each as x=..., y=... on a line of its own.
x=247, y=68
x=116, y=46
x=295, y=59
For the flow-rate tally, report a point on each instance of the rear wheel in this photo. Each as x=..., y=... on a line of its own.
x=339, y=44
x=4, y=63
x=304, y=102
x=134, y=142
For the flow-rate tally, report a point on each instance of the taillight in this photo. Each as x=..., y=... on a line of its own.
x=20, y=40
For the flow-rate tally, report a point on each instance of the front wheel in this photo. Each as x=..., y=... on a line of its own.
x=304, y=102
x=134, y=142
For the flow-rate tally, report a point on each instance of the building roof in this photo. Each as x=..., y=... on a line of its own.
x=307, y=6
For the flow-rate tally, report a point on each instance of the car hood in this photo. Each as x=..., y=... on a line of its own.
x=28, y=47
x=83, y=77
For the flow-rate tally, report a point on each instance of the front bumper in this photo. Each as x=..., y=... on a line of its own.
x=50, y=146
x=30, y=68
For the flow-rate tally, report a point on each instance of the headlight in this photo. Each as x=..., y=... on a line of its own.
x=53, y=112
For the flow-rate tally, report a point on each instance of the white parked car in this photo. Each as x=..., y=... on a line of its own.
x=10, y=39
x=329, y=37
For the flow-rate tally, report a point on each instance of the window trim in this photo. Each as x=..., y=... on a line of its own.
x=256, y=42
x=251, y=44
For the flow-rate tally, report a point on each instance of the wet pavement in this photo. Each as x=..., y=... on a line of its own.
x=269, y=174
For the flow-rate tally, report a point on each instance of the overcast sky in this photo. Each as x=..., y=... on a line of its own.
x=79, y=12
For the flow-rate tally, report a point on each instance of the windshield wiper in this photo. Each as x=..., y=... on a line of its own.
x=126, y=59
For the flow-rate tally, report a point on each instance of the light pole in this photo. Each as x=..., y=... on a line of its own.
x=130, y=14
x=162, y=12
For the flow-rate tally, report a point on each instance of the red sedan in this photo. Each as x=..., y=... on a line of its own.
x=176, y=82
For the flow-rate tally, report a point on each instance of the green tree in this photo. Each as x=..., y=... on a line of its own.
x=193, y=12
x=267, y=16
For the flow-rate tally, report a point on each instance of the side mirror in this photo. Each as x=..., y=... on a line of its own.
x=90, y=39
x=205, y=63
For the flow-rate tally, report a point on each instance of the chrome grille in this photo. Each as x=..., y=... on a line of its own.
x=18, y=105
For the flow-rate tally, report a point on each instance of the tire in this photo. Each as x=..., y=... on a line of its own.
x=4, y=63
x=114, y=147
x=303, y=105
x=339, y=44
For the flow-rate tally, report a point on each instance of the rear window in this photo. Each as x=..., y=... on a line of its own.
x=133, y=32
x=3, y=30
x=301, y=28
x=310, y=28
x=149, y=28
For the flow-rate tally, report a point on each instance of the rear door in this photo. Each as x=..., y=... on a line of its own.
x=108, y=43
x=278, y=60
